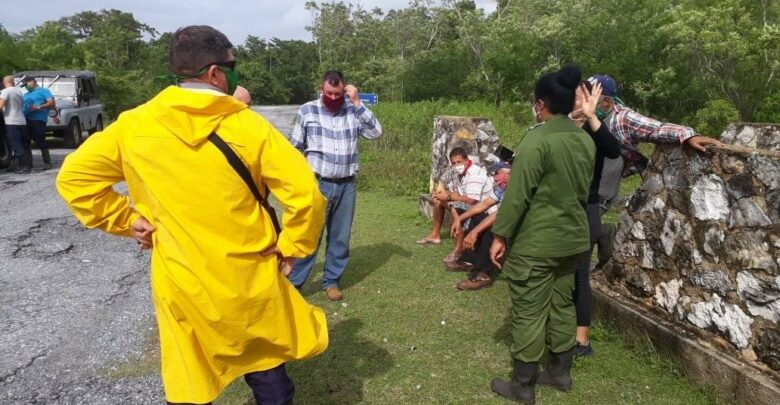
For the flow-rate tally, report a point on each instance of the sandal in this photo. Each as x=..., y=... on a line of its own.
x=426, y=241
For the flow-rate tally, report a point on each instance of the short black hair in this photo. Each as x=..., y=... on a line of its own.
x=194, y=47
x=333, y=77
x=458, y=151
x=557, y=89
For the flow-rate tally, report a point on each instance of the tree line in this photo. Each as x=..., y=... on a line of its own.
x=700, y=62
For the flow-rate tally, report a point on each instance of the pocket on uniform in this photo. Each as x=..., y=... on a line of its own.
x=517, y=267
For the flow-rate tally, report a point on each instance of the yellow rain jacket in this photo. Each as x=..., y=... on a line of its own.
x=223, y=310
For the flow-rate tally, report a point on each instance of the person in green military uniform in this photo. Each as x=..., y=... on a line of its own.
x=541, y=233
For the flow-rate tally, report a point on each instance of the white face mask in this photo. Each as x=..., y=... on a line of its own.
x=458, y=169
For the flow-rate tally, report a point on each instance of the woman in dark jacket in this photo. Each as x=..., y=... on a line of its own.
x=608, y=146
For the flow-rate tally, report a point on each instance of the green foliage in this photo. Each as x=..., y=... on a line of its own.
x=670, y=59
x=714, y=117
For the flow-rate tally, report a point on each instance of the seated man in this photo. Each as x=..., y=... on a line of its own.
x=470, y=184
x=478, y=235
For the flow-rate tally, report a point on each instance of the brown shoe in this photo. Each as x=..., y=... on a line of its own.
x=479, y=281
x=457, y=265
x=333, y=294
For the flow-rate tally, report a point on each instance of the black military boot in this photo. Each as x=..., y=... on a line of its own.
x=46, y=159
x=558, y=372
x=521, y=387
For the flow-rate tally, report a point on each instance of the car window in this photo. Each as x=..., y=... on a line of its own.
x=63, y=87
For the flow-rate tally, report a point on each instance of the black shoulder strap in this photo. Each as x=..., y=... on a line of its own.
x=242, y=171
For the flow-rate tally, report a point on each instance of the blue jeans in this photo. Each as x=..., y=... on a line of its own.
x=338, y=224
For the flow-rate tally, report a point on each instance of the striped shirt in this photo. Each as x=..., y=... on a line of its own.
x=475, y=184
x=631, y=128
x=330, y=141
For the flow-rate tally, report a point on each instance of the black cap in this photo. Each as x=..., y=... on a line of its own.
x=28, y=79
x=504, y=153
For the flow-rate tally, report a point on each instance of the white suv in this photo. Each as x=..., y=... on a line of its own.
x=78, y=103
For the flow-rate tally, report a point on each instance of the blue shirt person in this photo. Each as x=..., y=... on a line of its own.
x=37, y=103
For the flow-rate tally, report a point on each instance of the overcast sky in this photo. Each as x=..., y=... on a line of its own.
x=237, y=18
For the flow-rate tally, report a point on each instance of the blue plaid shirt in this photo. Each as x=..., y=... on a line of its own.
x=330, y=141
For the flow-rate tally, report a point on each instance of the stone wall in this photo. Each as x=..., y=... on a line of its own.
x=699, y=242
x=475, y=134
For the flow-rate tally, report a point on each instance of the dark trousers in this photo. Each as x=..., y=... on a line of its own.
x=17, y=138
x=583, y=295
x=270, y=387
x=36, y=131
x=480, y=256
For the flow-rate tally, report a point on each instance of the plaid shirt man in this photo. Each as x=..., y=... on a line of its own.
x=631, y=128
x=330, y=141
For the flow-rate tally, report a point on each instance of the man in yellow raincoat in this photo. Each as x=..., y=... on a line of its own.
x=223, y=307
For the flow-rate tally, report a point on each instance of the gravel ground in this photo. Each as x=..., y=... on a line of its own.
x=76, y=318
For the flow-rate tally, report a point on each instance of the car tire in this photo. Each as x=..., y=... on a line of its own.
x=5, y=151
x=98, y=125
x=73, y=134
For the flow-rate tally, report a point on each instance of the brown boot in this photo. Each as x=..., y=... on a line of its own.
x=334, y=294
x=478, y=281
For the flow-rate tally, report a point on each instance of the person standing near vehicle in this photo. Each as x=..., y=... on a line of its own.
x=37, y=103
x=326, y=132
x=12, y=104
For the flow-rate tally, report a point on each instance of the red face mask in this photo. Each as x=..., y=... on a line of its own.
x=332, y=105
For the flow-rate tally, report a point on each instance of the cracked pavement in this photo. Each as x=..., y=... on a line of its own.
x=76, y=318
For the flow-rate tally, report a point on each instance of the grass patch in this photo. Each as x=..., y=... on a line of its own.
x=389, y=346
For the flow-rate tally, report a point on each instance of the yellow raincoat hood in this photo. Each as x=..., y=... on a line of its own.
x=192, y=115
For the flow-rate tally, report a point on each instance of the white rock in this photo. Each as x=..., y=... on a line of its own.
x=712, y=240
x=344, y=304
x=667, y=294
x=728, y=319
x=700, y=315
x=748, y=213
x=746, y=137
x=647, y=256
x=443, y=323
x=672, y=230
x=638, y=231
x=697, y=259
x=709, y=199
x=680, y=308
x=770, y=312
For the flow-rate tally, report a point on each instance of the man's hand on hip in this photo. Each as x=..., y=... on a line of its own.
x=285, y=263
x=142, y=232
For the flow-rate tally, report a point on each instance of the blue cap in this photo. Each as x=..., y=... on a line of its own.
x=498, y=166
x=608, y=85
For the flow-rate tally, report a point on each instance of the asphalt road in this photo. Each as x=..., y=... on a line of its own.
x=76, y=318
